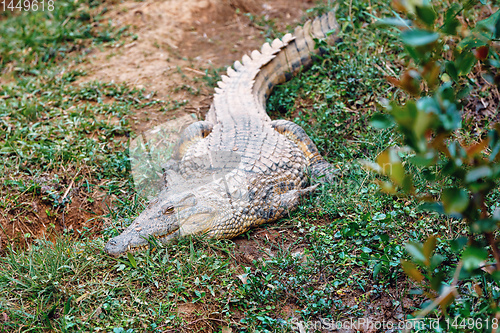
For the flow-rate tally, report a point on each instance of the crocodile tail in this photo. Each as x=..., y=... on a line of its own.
x=251, y=81
x=295, y=55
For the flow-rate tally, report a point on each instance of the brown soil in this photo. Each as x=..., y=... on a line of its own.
x=30, y=217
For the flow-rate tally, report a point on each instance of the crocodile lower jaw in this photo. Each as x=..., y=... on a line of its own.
x=162, y=238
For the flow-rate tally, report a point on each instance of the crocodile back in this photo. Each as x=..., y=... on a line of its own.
x=270, y=167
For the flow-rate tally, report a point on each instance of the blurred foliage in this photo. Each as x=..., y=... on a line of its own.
x=446, y=51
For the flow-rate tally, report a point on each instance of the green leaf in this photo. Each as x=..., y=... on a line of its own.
x=494, y=143
x=496, y=276
x=451, y=119
x=429, y=175
x=429, y=246
x=366, y=249
x=428, y=104
x=451, y=22
x=418, y=37
x=432, y=207
x=412, y=271
x=422, y=160
x=464, y=91
x=478, y=173
x=450, y=27
x=496, y=214
x=455, y=200
x=451, y=70
x=376, y=269
x=393, y=22
x=436, y=260
x=132, y=260
x=464, y=62
x=426, y=14
x=384, y=237
x=458, y=244
x=497, y=26
x=455, y=154
x=489, y=25
x=67, y=305
x=436, y=281
x=391, y=165
x=446, y=92
x=472, y=41
x=416, y=251
x=381, y=121
x=468, y=4
x=473, y=257
x=424, y=119
x=485, y=225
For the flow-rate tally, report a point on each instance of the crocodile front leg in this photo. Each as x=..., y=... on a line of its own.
x=191, y=134
x=290, y=199
x=320, y=169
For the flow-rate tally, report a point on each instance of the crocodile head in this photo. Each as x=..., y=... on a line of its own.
x=167, y=217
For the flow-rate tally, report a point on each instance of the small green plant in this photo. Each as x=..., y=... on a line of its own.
x=449, y=59
x=34, y=40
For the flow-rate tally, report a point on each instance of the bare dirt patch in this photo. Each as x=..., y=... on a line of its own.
x=38, y=214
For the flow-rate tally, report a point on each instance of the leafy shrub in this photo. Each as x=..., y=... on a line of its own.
x=449, y=59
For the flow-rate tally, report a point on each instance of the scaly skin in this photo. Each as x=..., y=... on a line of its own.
x=237, y=169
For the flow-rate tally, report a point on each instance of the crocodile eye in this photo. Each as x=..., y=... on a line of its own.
x=169, y=210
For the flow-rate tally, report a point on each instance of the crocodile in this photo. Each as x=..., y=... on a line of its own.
x=238, y=168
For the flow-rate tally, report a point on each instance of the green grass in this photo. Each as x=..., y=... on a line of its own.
x=333, y=258
x=51, y=129
x=32, y=40
x=54, y=133
x=70, y=285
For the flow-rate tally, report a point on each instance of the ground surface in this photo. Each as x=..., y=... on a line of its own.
x=65, y=132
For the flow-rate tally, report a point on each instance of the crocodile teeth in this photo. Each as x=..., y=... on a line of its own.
x=136, y=248
x=230, y=71
x=224, y=78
